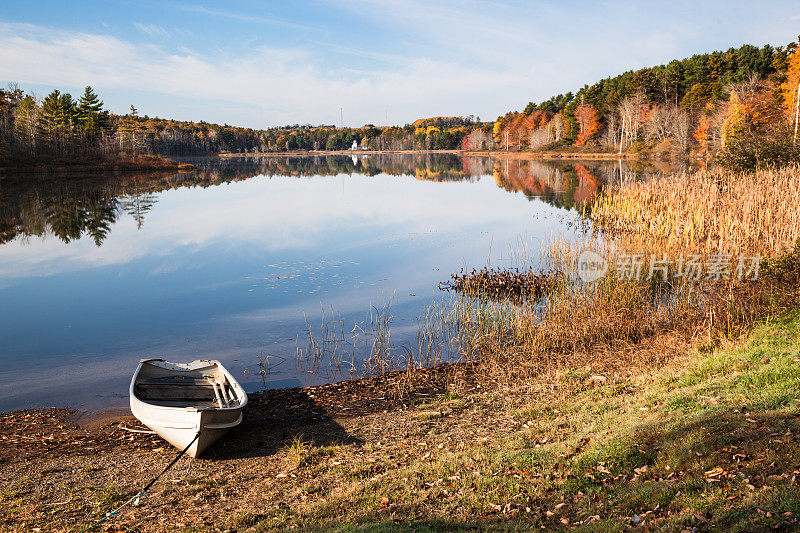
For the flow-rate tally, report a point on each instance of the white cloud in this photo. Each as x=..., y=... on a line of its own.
x=287, y=85
x=411, y=58
x=152, y=30
x=249, y=17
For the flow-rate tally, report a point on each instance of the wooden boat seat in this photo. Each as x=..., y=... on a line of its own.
x=171, y=392
x=184, y=403
x=182, y=390
x=173, y=380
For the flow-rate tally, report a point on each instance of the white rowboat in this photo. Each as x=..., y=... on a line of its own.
x=180, y=400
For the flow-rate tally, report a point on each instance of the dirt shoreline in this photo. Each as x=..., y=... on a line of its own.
x=66, y=430
x=62, y=468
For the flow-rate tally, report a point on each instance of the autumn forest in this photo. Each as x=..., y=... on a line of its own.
x=739, y=106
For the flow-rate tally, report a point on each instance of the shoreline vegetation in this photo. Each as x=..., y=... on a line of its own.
x=667, y=402
x=145, y=162
x=138, y=163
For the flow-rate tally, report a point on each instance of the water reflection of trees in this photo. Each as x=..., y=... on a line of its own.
x=72, y=207
x=573, y=184
x=76, y=207
x=437, y=167
x=67, y=209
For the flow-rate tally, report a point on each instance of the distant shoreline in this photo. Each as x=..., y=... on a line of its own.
x=138, y=164
x=162, y=163
x=497, y=154
x=300, y=153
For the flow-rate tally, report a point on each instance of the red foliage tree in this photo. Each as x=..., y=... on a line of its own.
x=588, y=123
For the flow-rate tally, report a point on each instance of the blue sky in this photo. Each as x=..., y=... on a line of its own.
x=260, y=64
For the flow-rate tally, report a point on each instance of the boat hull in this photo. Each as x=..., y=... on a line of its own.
x=180, y=425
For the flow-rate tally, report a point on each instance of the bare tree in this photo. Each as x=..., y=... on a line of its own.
x=633, y=111
x=668, y=122
x=540, y=137
x=611, y=135
x=558, y=128
x=26, y=121
x=478, y=139
x=681, y=130
x=658, y=125
x=745, y=89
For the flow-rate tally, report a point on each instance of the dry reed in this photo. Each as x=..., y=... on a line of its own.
x=706, y=212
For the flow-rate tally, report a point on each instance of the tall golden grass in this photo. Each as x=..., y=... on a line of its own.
x=706, y=212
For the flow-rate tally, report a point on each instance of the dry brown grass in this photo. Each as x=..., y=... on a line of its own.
x=707, y=212
x=599, y=325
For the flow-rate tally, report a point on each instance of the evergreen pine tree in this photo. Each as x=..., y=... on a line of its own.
x=58, y=118
x=51, y=113
x=26, y=120
x=68, y=113
x=90, y=112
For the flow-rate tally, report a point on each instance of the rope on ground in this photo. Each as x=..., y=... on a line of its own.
x=142, y=493
x=145, y=431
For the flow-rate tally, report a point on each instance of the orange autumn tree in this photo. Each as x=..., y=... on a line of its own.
x=540, y=118
x=701, y=133
x=760, y=108
x=790, y=86
x=588, y=123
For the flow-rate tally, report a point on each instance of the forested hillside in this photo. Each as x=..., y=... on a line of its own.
x=740, y=105
x=60, y=126
x=708, y=103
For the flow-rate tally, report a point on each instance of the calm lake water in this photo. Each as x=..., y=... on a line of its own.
x=236, y=258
